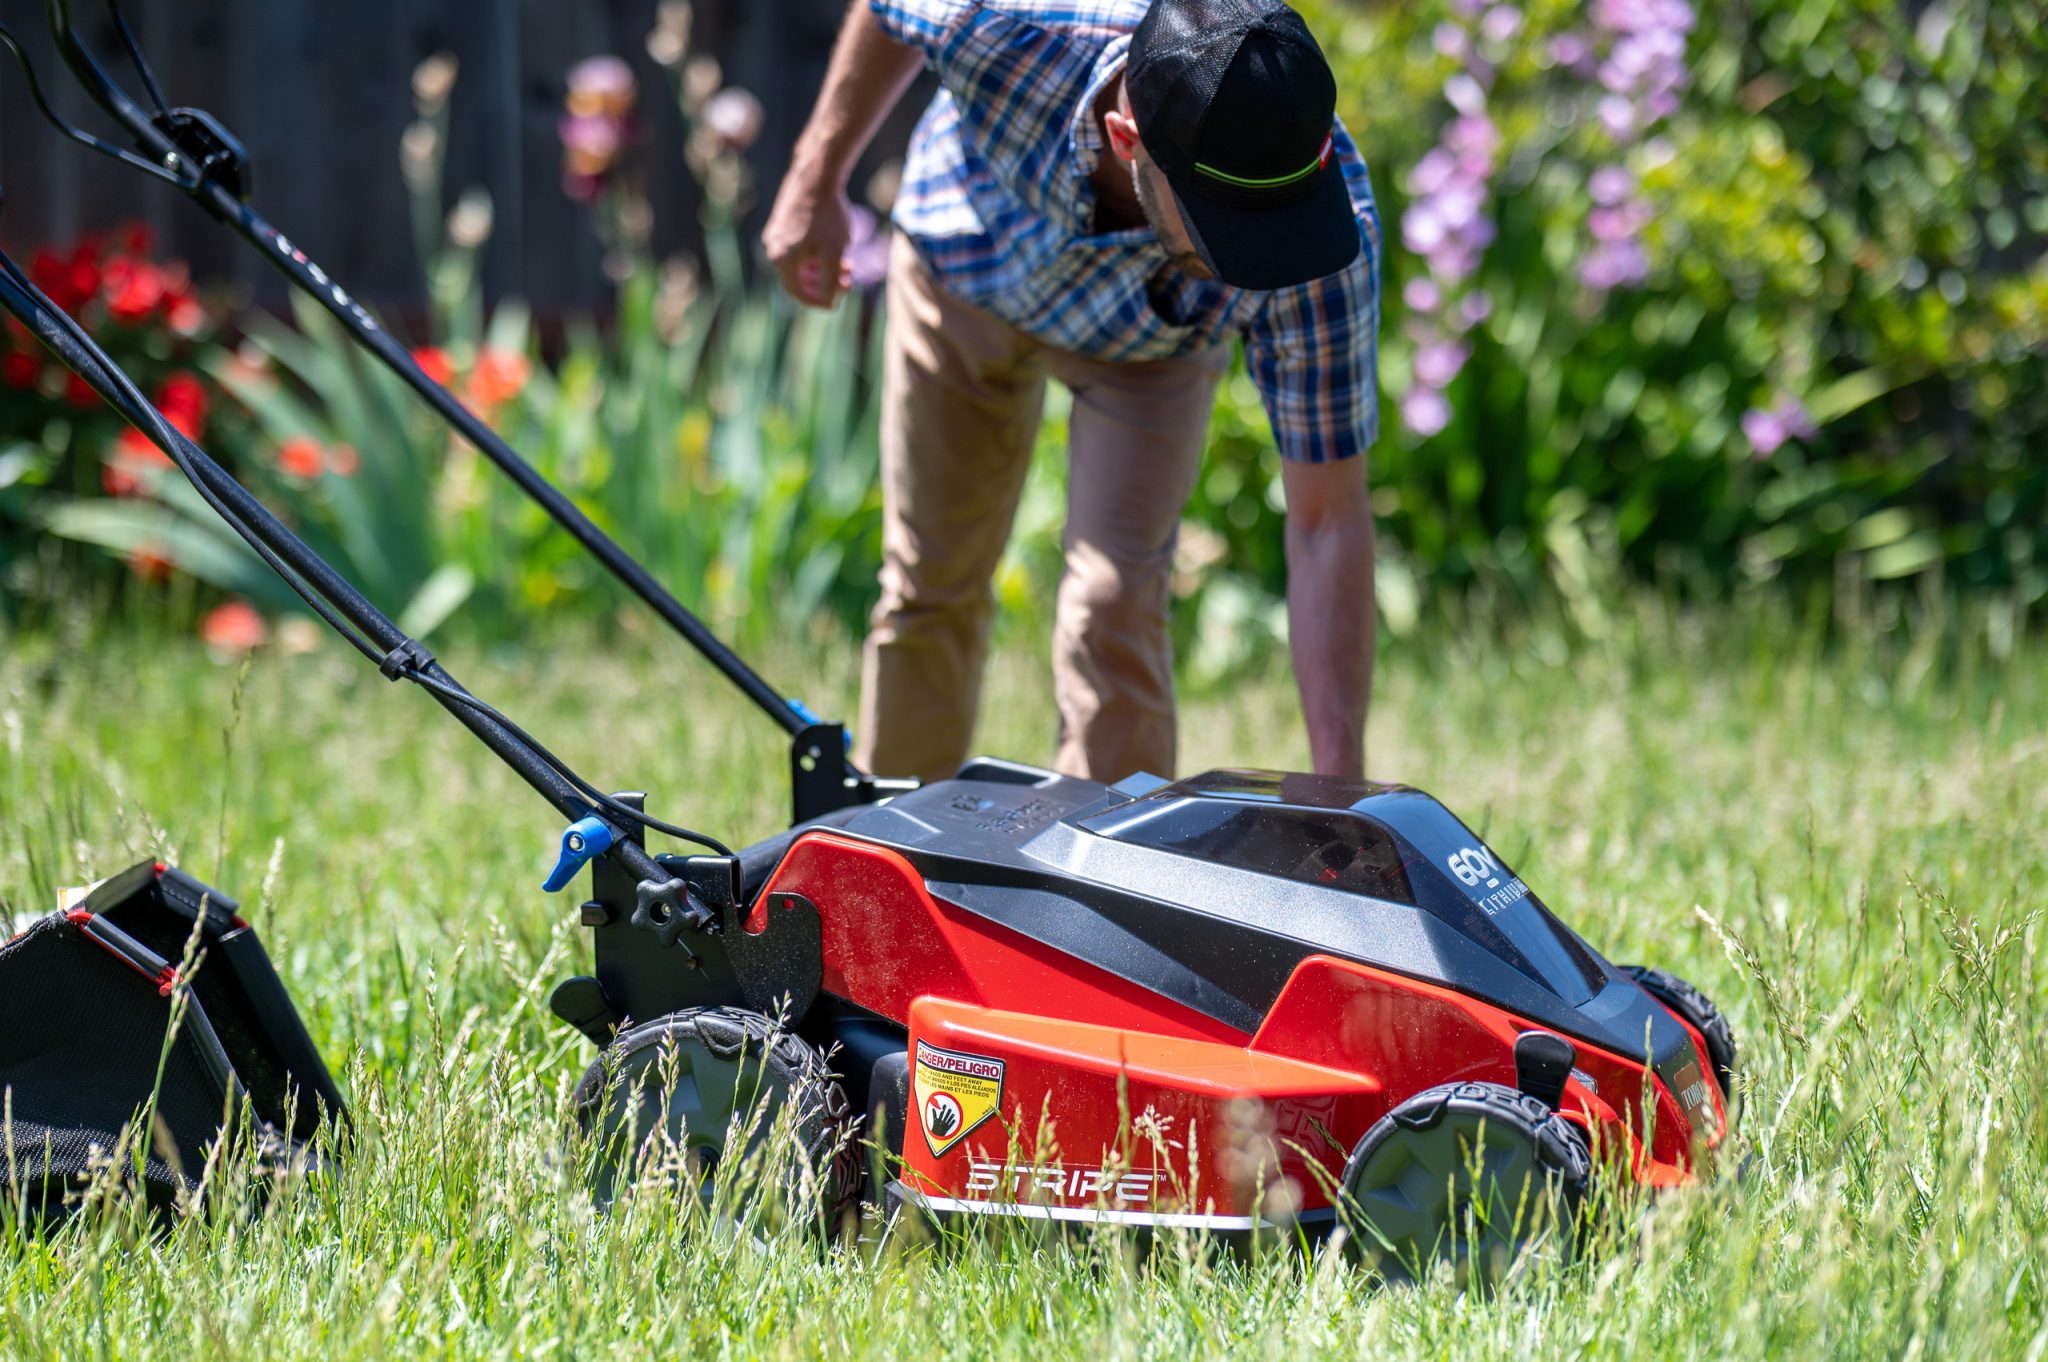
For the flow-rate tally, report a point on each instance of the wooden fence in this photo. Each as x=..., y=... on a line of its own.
x=320, y=91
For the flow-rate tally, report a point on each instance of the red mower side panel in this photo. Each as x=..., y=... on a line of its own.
x=1414, y=1035
x=887, y=942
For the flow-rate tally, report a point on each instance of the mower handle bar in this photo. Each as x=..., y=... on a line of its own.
x=347, y=609
x=219, y=199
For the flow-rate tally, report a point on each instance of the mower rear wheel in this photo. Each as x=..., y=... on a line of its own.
x=672, y=1089
x=1699, y=1010
x=1469, y=1173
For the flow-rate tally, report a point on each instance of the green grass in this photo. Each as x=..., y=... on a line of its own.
x=1868, y=827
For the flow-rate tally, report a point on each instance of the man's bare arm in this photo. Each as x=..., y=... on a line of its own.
x=807, y=228
x=1331, y=611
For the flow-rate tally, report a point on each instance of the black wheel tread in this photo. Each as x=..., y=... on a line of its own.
x=826, y=1125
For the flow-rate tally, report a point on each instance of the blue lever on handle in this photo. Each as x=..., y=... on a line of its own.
x=583, y=841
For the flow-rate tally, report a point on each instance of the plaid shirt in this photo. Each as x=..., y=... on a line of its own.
x=997, y=198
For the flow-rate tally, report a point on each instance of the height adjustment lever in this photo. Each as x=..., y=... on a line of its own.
x=583, y=841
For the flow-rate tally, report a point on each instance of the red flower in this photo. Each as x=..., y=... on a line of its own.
x=499, y=376
x=182, y=399
x=135, y=289
x=20, y=370
x=343, y=462
x=433, y=362
x=132, y=450
x=301, y=457
x=233, y=627
x=78, y=392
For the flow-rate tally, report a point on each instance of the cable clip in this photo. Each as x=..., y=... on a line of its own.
x=408, y=657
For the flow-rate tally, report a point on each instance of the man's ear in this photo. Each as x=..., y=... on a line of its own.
x=1123, y=133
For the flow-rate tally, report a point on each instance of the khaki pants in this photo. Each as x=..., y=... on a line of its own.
x=961, y=395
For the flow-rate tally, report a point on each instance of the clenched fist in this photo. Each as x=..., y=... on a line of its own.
x=806, y=236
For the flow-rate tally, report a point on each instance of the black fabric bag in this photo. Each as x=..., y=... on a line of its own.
x=85, y=1005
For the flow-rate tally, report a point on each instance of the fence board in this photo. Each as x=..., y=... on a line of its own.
x=320, y=93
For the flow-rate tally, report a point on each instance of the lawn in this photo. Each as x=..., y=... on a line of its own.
x=1847, y=847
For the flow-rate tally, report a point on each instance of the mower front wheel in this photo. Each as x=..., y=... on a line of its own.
x=1474, y=1174
x=1697, y=1009
x=672, y=1097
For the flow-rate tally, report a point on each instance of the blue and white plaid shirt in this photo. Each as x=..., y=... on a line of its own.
x=997, y=198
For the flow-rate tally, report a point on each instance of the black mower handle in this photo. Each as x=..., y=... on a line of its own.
x=196, y=153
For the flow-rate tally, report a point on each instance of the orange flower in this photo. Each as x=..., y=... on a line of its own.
x=234, y=627
x=499, y=376
x=433, y=362
x=148, y=562
x=301, y=457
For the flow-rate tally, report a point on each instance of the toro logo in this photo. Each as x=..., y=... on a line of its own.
x=955, y=1092
x=1476, y=867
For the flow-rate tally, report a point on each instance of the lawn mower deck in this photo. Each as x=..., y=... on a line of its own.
x=1158, y=1003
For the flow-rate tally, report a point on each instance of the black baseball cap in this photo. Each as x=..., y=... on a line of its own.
x=1235, y=102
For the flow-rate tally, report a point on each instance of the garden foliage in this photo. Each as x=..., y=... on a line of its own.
x=1716, y=296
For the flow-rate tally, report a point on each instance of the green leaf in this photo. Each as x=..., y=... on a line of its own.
x=439, y=597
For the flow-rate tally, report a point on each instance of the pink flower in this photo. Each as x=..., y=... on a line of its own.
x=734, y=117
x=1424, y=411
x=1612, y=264
x=1422, y=228
x=1432, y=172
x=1570, y=49
x=1501, y=23
x=601, y=86
x=1619, y=223
x=1617, y=115
x=1437, y=363
x=1421, y=295
x=1764, y=431
x=1610, y=185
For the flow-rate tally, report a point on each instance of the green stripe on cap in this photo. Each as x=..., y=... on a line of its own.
x=1275, y=182
x=1322, y=158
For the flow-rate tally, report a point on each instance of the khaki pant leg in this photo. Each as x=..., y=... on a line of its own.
x=1134, y=448
x=962, y=392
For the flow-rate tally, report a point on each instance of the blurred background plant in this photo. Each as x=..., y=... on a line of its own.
x=70, y=470
x=1726, y=300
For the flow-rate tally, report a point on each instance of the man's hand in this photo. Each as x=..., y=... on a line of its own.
x=806, y=236
x=809, y=225
x=1331, y=610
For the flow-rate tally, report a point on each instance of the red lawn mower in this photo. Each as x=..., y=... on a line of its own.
x=1241, y=1000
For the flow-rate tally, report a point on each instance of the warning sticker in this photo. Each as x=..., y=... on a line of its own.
x=954, y=1093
